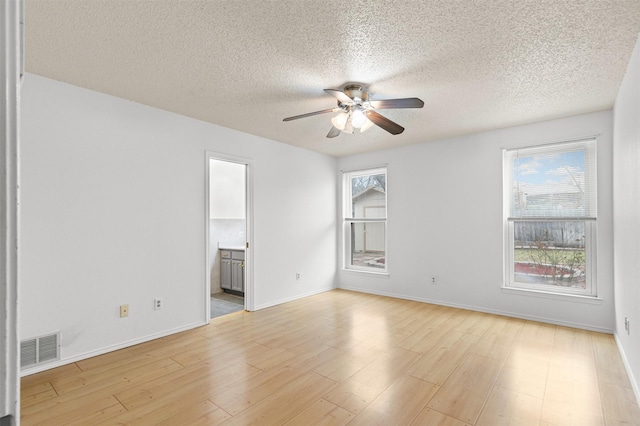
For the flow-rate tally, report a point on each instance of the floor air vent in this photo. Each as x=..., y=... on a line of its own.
x=39, y=350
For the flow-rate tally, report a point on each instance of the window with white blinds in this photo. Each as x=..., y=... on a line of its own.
x=553, y=181
x=551, y=212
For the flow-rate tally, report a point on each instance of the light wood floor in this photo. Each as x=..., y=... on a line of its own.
x=346, y=358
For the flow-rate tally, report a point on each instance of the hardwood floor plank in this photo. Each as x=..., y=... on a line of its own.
x=359, y=389
x=609, y=362
x=344, y=340
x=422, y=341
x=408, y=326
x=236, y=351
x=195, y=380
x=433, y=418
x=526, y=370
x=285, y=404
x=386, y=369
x=575, y=368
x=100, y=390
x=568, y=402
x=346, y=364
x=35, y=388
x=205, y=414
x=36, y=394
x=492, y=346
x=507, y=407
x=507, y=329
x=314, y=345
x=322, y=413
x=105, y=360
x=353, y=396
x=164, y=408
x=164, y=345
x=268, y=358
x=572, y=341
x=539, y=335
x=476, y=323
x=237, y=398
x=70, y=414
x=619, y=405
x=532, y=383
x=463, y=395
x=90, y=380
x=48, y=375
x=437, y=364
x=399, y=404
x=311, y=359
x=171, y=400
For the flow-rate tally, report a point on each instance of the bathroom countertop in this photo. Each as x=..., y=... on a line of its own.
x=230, y=247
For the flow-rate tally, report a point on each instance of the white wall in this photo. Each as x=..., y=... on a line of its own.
x=445, y=214
x=626, y=213
x=113, y=212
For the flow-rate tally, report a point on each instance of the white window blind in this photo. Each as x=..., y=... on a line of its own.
x=553, y=181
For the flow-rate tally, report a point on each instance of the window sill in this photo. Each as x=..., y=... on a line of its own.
x=363, y=271
x=579, y=298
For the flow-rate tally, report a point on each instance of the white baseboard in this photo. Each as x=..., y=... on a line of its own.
x=291, y=299
x=101, y=351
x=627, y=366
x=480, y=309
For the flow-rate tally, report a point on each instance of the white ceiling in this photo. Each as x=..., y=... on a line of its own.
x=246, y=65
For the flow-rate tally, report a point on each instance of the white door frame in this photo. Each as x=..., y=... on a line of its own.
x=249, y=303
x=10, y=71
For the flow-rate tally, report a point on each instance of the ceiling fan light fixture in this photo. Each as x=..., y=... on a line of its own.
x=348, y=128
x=340, y=120
x=366, y=126
x=358, y=117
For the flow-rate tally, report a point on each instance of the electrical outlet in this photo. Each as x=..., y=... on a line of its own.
x=124, y=311
x=297, y=276
x=626, y=324
x=240, y=234
x=434, y=279
x=157, y=304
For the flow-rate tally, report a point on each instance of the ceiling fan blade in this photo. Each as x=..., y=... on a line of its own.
x=385, y=123
x=333, y=132
x=397, y=103
x=310, y=114
x=339, y=95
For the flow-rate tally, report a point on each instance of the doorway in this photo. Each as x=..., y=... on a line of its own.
x=227, y=226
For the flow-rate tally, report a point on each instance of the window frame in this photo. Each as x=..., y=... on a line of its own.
x=590, y=226
x=349, y=221
x=590, y=262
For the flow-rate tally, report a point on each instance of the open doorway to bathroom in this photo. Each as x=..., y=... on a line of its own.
x=227, y=240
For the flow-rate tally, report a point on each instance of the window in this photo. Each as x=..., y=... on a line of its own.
x=365, y=220
x=550, y=204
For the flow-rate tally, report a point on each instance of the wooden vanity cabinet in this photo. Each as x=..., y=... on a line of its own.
x=232, y=270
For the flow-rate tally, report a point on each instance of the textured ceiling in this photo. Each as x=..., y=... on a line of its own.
x=477, y=65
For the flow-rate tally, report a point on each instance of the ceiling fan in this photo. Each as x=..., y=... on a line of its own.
x=357, y=111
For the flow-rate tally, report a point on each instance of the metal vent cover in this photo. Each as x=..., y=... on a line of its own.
x=39, y=350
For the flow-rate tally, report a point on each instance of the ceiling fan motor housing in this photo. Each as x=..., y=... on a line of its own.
x=356, y=91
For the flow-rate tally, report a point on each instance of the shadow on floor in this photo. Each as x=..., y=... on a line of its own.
x=224, y=303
